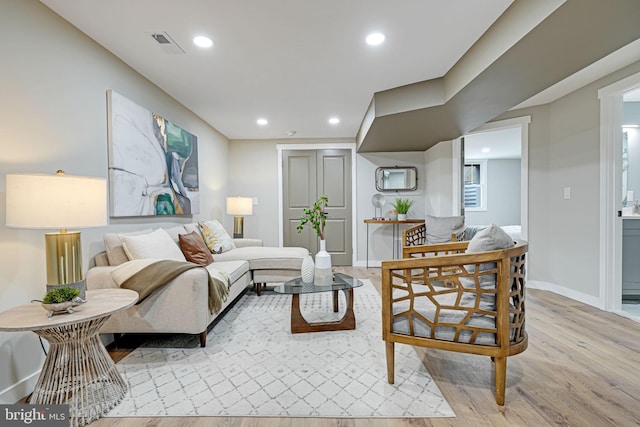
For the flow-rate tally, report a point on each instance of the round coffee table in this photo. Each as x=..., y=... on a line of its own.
x=77, y=371
x=341, y=282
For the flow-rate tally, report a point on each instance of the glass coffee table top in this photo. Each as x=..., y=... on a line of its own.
x=297, y=286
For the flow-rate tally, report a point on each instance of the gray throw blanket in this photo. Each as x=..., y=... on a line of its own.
x=158, y=273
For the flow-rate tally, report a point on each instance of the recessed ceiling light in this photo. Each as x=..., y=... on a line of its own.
x=486, y=150
x=262, y=122
x=202, y=41
x=334, y=120
x=375, y=39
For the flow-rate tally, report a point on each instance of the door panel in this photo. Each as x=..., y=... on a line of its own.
x=299, y=172
x=308, y=174
x=334, y=180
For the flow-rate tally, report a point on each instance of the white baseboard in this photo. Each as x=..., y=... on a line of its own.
x=566, y=292
x=19, y=390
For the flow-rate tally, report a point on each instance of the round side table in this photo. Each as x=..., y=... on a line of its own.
x=77, y=370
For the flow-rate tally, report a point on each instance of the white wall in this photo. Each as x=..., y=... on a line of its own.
x=53, y=115
x=439, y=189
x=503, y=195
x=381, y=236
x=631, y=115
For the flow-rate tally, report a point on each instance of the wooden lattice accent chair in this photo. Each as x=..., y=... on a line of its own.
x=434, y=230
x=480, y=311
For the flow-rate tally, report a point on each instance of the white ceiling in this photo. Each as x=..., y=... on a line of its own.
x=293, y=62
x=502, y=143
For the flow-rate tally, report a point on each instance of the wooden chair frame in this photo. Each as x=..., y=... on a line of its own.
x=417, y=236
x=431, y=271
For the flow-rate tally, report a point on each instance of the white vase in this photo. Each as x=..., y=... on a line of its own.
x=307, y=270
x=402, y=217
x=323, y=274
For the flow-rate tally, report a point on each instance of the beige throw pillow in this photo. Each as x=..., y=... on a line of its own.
x=215, y=236
x=155, y=245
x=113, y=245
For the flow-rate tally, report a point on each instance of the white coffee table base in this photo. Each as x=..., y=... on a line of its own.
x=78, y=371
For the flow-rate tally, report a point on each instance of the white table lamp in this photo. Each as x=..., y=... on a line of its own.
x=239, y=207
x=58, y=201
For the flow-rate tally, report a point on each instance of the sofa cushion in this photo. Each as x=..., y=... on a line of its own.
x=265, y=258
x=113, y=245
x=235, y=269
x=215, y=236
x=156, y=245
x=176, y=231
x=194, y=248
x=440, y=228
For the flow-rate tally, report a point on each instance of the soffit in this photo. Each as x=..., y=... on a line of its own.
x=576, y=35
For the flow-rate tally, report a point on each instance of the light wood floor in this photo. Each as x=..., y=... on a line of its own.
x=582, y=368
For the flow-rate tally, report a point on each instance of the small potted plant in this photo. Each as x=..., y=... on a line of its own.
x=402, y=206
x=61, y=300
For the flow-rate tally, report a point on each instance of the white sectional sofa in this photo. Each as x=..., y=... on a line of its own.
x=181, y=306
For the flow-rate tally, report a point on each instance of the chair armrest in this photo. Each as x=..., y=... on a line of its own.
x=243, y=243
x=434, y=249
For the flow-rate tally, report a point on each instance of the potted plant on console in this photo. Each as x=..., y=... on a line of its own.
x=316, y=216
x=402, y=206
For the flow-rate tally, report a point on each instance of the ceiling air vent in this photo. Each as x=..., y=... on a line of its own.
x=167, y=44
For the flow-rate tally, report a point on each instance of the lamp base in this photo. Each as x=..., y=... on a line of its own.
x=238, y=227
x=64, y=261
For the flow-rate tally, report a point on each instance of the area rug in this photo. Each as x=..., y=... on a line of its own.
x=254, y=366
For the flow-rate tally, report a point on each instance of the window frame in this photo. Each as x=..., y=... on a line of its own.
x=483, y=184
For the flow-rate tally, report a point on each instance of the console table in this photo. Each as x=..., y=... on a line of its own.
x=77, y=371
x=396, y=228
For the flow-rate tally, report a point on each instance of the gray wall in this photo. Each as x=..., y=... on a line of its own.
x=564, y=151
x=253, y=166
x=53, y=115
x=503, y=195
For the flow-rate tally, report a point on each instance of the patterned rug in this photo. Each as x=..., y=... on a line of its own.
x=254, y=366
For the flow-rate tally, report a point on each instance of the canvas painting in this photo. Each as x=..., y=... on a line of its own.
x=153, y=163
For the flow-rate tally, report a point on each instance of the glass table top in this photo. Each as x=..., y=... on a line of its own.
x=297, y=286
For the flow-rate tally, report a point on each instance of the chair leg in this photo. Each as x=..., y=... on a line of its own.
x=259, y=288
x=501, y=378
x=203, y=338
x=390, y=361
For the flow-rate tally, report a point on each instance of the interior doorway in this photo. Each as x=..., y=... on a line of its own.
x=611, y=194
x=506, y=140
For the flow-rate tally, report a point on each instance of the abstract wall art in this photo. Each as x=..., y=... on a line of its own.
x=153, y=163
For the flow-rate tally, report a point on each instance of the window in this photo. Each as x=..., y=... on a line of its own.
x=475, y=185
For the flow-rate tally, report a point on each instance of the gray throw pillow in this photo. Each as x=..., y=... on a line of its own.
x=440, y=228
x=490, y=239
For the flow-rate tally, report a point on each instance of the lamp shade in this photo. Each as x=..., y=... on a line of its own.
x=55, y=201
x=239, y=206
